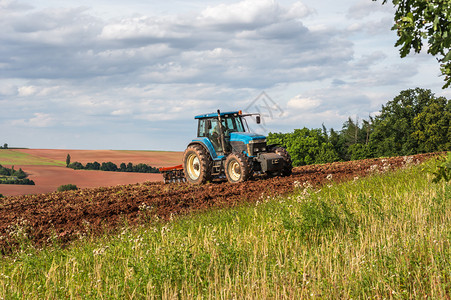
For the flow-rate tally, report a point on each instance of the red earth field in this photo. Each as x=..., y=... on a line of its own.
x=153, y=158
x=49, y=177
x=68, y=215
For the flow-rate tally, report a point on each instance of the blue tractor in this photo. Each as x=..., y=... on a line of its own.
x=225, y=148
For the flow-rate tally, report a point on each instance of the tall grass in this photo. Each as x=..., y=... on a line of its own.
x=384, y=236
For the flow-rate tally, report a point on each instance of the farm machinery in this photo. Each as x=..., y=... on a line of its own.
x=225, y=148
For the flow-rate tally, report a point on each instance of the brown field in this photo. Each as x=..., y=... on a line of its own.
x=153, y=158
x=49, y=177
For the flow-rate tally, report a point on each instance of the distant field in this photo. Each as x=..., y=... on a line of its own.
x=47, y=168
x=17, y=157
x=153, y=158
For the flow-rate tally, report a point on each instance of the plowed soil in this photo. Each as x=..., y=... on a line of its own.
x=66, y=216
x=47, y=168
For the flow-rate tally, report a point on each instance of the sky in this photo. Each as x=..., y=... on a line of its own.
x=109, y=74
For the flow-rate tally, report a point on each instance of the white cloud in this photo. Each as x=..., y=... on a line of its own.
x=251, y=12
x=299, y=10
x=39, y=120
x=144, y=27
x=25, y=91
x=303, y=104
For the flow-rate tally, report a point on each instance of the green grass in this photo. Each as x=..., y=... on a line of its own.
x=385, y=236
x=12, y=157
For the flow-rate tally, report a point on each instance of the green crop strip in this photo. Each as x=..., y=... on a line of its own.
x=12, y=157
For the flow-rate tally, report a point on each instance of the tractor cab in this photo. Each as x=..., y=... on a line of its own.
x=226, y=131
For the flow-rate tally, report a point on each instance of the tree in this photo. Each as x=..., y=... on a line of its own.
x=108, y=166
x=5, y=146
x=419, y=20
x=359, y=151
x=20, y=174
x=68, y=160
x=396, y=131
x=432, y=126
x=306, y=146
x=4, y=171
x=76, y=166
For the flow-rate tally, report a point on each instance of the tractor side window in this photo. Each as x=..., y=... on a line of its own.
x=201, y=131
x=214, y=127
x=214, y=135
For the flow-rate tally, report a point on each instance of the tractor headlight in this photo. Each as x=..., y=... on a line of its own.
x=256, y=146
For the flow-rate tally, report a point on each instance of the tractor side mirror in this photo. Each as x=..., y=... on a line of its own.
x=208, y=124
x=257, y=119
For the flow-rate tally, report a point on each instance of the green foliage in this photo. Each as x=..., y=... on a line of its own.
x=443, y=170
x=432, y=126
x=327, y=153
x=108, y=166
x=359, y=151
x=67, y=187
x=11, y=176
x=15, y=180
x=417, y=21
x=306, y=146
x=68, y=160
x=403, y=127
x=76, y=166
x=112, y=167
x=1, y=196
x=92, y=166
x=20, y=174
x=5, y=171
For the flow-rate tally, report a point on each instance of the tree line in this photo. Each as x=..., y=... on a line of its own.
x=112, y=167
x=413, y=122
x=12, y=176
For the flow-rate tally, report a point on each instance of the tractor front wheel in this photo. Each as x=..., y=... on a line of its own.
x=197, y=164
x=237, y=168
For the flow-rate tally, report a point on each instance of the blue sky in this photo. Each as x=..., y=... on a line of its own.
x=133, y=74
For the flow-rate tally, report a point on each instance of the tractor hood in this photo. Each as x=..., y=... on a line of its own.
x=246, y=137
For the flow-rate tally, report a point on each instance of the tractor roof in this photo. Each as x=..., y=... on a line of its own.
x=215, y=115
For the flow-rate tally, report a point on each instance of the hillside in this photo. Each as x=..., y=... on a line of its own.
x=65, y=215
x=383, y=236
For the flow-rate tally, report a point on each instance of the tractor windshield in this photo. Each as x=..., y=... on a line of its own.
x=232, y=124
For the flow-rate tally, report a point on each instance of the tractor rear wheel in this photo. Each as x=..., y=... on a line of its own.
x=197, y=164
x=237, y=168
x=288, y=166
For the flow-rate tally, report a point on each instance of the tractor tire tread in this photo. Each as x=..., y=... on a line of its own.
x=206, y=164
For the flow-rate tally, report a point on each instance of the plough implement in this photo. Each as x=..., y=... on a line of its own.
x=225, y=148
x=173, y=174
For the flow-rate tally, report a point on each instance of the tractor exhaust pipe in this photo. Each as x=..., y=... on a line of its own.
x=221, y=129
